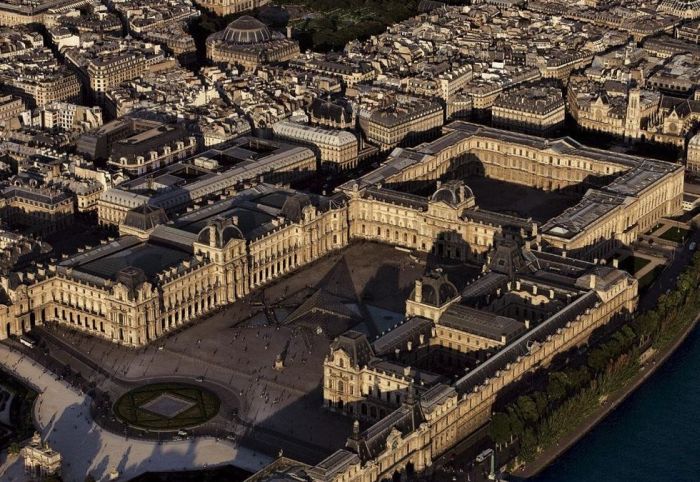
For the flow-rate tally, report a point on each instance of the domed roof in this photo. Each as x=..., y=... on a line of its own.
x=219, y=233
x=247, y=30
x=452, y=193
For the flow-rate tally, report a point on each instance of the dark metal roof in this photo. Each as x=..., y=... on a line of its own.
x=145, y=217
x=525, y=343
x=409, y=330
x=373, y=441
x=480, y=323
x=150, y=258
x=356, y=345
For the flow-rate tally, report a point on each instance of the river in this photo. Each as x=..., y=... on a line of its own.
x=654, y=436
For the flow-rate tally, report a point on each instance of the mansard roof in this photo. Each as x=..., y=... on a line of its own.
x=356, y=345
x=373, y=441
x=145, y=217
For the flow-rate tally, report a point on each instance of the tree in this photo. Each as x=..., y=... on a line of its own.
x=686, y=283
x=557, y=386
x=527, y=409
x=541, y=403
x=629, y=334
x=579, y=378
x=663, y=305
x=516, y=424
x=646, y=325
x=598, y=359
x=675, y=298
x=13, y=449
x=528, y=445
x=500, y=429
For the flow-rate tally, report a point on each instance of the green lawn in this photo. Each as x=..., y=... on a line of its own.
x=20, y=409
x=333, y=23
x=633, y=264
x=676, y=235
x=129, y=406
x=646, y=280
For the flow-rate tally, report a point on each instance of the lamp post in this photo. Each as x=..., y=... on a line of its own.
x=492, y=472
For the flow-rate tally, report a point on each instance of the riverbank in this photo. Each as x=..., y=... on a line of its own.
x=546, y=457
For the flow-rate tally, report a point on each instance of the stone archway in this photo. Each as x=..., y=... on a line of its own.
x=410, y=470
x=8, y=329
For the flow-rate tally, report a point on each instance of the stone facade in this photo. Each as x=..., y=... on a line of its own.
x=248, y=248
x=538, y=110
x=152, y=149
x=693, y=155
x=208, y=176
x=10, y=108
x=106, y=64
x=40, y=461
x=14, y=12
x=43, y=91
x=447, y=223
x=405, y=122
x=623, y=195
x=418, y=417
x=159, y=276
x=40, y=211
x=249, y=43
x=337, y=150
x=640, y=114
x=227, y=7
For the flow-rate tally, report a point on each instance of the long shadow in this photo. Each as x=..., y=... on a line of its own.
x=68, y=432
x=289, y=428
x=288, y=432
x=469, y=165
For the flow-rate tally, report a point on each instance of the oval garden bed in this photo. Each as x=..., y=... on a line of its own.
x=167, y=406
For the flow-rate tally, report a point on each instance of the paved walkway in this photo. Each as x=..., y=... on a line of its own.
x=654, y=261
x=63, y=417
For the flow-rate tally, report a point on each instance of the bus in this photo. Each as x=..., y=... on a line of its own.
x=484, y=455
x=28, y=341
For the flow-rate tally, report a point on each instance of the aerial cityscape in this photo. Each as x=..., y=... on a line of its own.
x=349, y=240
